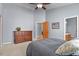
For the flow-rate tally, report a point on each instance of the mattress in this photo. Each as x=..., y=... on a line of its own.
x=45, y=47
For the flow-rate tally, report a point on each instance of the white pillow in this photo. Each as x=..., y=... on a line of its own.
x=68, y=48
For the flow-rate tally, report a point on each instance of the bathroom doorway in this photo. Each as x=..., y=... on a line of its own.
x=70, y=28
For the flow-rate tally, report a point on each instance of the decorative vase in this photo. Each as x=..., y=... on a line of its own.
x=18, y=28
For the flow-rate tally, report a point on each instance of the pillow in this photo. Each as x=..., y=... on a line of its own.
x=76, y=54
x=68, y=48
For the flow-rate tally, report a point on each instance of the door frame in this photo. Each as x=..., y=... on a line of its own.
x=76, y=24
x=1, y=30
x=41, y=22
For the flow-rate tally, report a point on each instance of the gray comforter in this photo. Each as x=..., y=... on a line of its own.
x=44, y=47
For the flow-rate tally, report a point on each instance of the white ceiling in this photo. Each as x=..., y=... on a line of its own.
x=57, y=5
x=50, y=6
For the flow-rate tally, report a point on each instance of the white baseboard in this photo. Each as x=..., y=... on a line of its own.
x=7, y=43
x=0, y=46
x=4, y=44
x=34, y=39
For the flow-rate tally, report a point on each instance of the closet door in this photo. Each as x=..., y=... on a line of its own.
x=45, y=29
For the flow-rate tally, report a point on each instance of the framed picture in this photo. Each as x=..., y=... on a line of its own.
x=56, y=25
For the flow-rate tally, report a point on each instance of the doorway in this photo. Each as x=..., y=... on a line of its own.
x=42, y=30
x=70, y=28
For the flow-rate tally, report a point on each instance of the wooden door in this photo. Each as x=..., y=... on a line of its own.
x=45, y=29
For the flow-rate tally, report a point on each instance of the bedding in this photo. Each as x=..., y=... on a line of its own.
x=45, y=47
x=69, y=48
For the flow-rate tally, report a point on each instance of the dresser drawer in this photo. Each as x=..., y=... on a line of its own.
x=22, y=36
x=68, y=37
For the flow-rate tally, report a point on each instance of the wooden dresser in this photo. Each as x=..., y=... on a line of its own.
x=22, y=36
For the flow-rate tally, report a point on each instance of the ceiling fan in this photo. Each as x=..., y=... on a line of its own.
x=40, y=5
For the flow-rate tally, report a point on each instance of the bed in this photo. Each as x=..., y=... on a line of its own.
x=45, y=47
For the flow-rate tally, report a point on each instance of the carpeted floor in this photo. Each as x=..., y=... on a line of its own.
x=14, y=49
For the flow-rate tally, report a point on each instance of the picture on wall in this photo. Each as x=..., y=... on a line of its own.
x=55, y=25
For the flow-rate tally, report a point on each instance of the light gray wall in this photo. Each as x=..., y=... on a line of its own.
x=58, y=15
x=0, y=9
x=39, y=15
x=17, y=15
x=14, y=16
x=0, y=24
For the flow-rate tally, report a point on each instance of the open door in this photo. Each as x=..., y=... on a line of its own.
x=45, y=29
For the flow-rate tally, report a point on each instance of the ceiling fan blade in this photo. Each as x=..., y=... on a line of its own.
x=45, y=3
x=36, y=8
x=44, y=8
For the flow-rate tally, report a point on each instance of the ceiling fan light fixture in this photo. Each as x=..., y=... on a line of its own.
x=39, y=5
